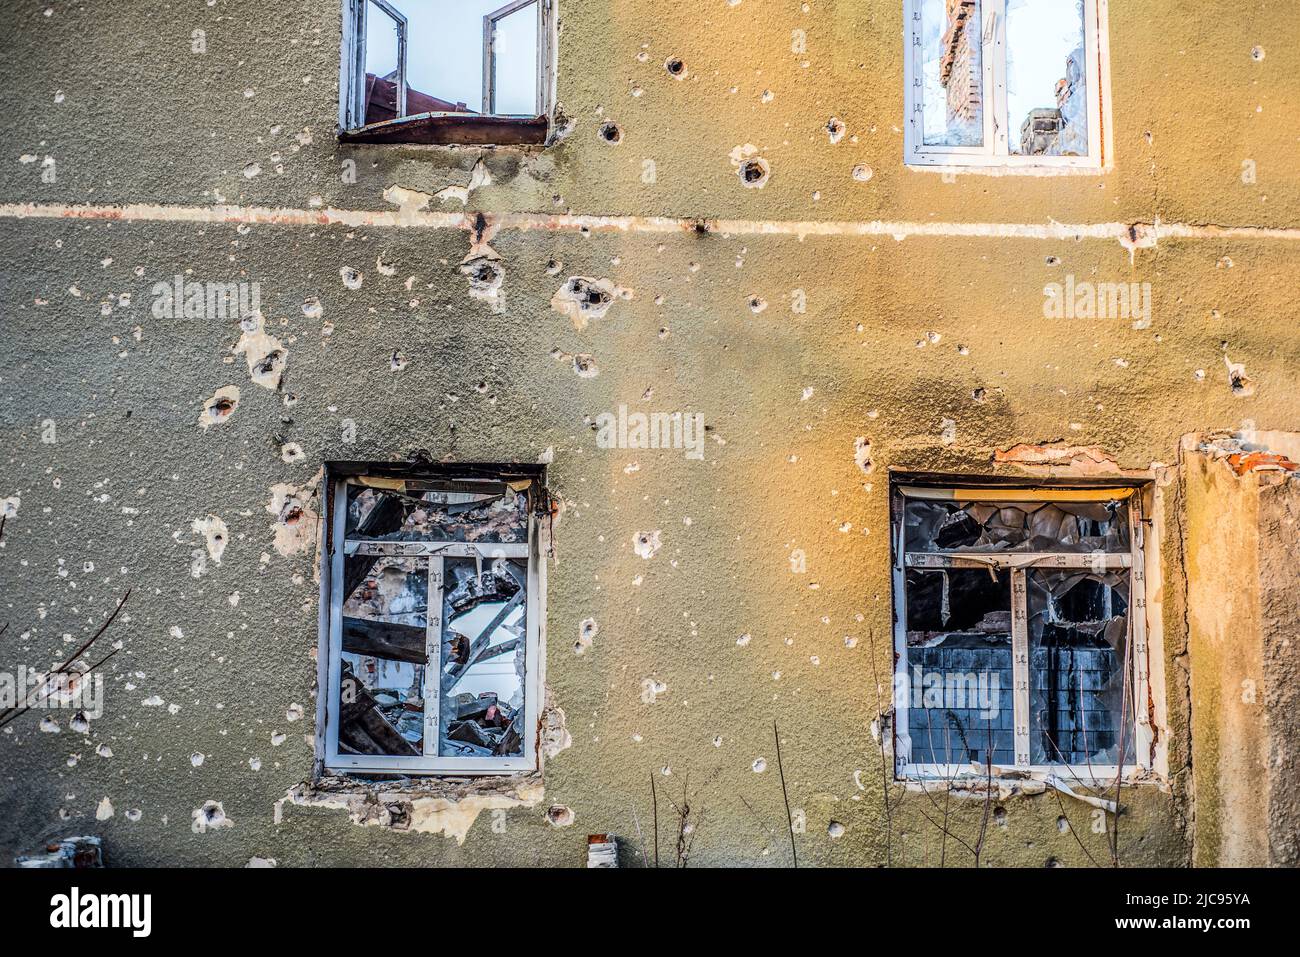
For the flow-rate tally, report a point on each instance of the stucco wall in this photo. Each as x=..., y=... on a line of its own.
x=899, y=335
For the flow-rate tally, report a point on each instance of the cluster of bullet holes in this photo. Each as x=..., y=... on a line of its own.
x=675, y=67
x=592, y=297
x=610, y=133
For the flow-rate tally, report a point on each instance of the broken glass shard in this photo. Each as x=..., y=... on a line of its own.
x=483, y=654
x=1079, y=691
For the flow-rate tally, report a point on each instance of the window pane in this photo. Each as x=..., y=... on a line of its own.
x=959, y=685
x=382, y=64
x=951, y=73
x=484, y=654
x=514, y=63
x=445, y=49
x=1076, y=527
x=1078, y=639
x=381, y=706
x=1047, y=97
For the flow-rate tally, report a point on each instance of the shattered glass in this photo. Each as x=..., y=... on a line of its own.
x=381, y=693
x=483, y=654
x=438, y=512
x=959, y=669
x=1078, y=644
x=953, y=525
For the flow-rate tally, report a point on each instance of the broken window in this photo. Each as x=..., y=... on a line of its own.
x=1020, y=636
x=434, y=602
x=446, y=71
x=1015, y=83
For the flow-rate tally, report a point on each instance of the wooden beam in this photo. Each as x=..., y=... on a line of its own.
x=384, y=639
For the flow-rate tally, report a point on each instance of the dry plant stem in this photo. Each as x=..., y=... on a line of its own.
x=654, y=798
x=794, y=854
x=13, y=713
x=884, y=775
x=1070, y=826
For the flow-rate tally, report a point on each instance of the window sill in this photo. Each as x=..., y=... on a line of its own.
x=453, y=129
x=949, y=168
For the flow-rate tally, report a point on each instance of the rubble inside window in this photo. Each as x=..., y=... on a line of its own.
x=1015, y=644
x=434, y=624
x=1092, y=526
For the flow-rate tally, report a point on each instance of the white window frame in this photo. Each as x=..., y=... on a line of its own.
x=490, y=21
x=331, y=647
x=1018, y=563
x=352, y=89
x=352, y=80
x=995, y=151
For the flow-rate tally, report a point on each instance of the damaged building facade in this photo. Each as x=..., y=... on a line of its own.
x=474, y=426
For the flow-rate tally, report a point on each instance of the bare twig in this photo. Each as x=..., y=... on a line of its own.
x=770, y=833
x=654, y=798
x=11, y=714
x=789, y=822
x=645, y=861
x=1070, y=827
x=884, y=775
x=988, y=797
x=1123, y=743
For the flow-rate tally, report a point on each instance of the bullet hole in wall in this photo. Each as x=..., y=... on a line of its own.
x=835, y=129
x=754, y=172
x=611, y=133
x=219, y=407
x=675, y=67
x=1243, y=386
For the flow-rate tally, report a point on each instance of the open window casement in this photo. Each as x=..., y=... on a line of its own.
x=446, y=71
x=1015, y=84
x=433, y=629
x=514, y=67
x=1020, y=632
